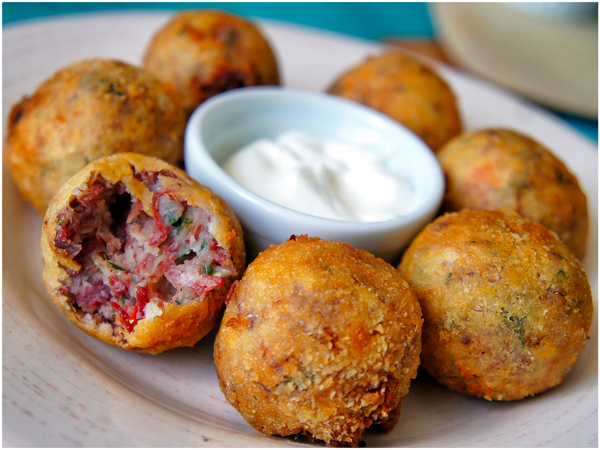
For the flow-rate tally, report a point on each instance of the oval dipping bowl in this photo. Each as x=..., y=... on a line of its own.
x=229, y=121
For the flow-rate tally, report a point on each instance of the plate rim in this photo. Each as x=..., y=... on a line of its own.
x=8, y=283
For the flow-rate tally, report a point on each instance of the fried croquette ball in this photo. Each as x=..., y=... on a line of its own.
x=203, y=53
x=502, y=170
x=408, y=91
x=507, y=307
x=88, y=110
x=139, y=255
x=320, y=339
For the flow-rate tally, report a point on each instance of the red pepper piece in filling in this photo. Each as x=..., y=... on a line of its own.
x=162, y=231
x=219, y=254
x=142, y=299
x=131, y=320
x=118, y=286
x=205, y=284
x=91, y=194
x=123, y=317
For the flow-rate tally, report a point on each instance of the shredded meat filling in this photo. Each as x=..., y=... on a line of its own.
x=129, y=259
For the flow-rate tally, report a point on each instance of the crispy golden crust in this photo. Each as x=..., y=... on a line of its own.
x=319, y=339
x=406, y=90
x=507, y=307
x=177, y=325
x=85, y=111
x=207, y=52
x=502, y=170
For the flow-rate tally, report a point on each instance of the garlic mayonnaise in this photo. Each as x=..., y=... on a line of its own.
x=321, y=177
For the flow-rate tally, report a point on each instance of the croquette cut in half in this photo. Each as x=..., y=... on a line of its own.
x=139, y=255
x=504, y=170
x=507, y=307
x=402, y=87
x=85, y=111
x=318, y=339
x=206, y=52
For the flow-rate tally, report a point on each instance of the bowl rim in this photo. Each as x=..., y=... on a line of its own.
x=194, y=148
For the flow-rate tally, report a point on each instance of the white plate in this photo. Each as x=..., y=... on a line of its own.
x=63, y=388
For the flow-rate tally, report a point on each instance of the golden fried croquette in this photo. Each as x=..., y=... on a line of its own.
x=502, y=170
x=406, y=90
x=320, y=339
x=90, y=109
x=204, y=53
x=139, y=255
x=507, y=307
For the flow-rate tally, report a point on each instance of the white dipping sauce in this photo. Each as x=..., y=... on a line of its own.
x=322, y=178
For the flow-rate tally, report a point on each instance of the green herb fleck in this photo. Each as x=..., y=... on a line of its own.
x=72, y=308
x=203, y=244
x=448, y=278
x=177, y=302
x=121, y=299
x=450, y=324
x=515, y=323
x=112, y=264
x=183, y=255
x=60, y=220
x=182, y=223
x=208, y=270
x=562, y=273
x=112, y=89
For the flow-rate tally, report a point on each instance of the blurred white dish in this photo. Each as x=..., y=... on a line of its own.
x=545, y=51
x=62, y=388
x=229, y=121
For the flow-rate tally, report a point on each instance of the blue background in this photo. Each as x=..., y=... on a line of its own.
x=369, y=20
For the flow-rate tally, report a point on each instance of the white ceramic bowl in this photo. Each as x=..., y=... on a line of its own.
x=228, y=121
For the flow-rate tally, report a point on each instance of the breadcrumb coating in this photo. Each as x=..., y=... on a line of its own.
x=320, y=339
x=507, y=307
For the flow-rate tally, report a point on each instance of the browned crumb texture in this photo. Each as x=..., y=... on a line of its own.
x=502, y=170
x=88, y=110
x=408, y=91
x=320, y=339
x=507, y=307
x=203, y=53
